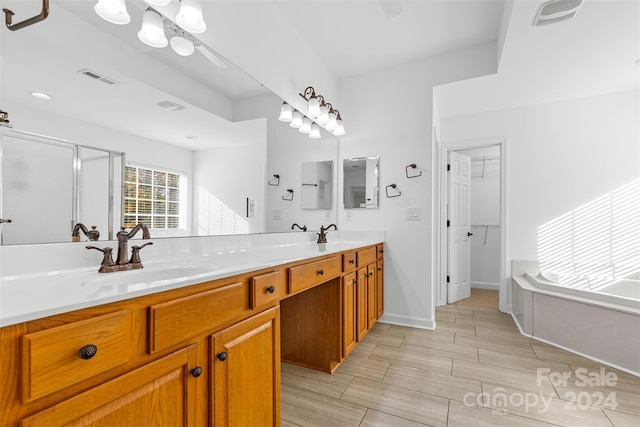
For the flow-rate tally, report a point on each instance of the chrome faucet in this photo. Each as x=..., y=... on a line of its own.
x=303, y=228
x=122, y=262
x=322, y=236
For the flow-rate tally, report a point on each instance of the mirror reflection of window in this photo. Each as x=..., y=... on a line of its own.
x=361, y=183
x=317, y=184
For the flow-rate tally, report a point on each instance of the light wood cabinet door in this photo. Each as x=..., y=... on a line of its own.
x=162, y=393
x=361, y=306
x=380, y=288
x=246, y=372
x=349, y=332
x=372, y=312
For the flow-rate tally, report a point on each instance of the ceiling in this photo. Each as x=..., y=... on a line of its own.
x=360, y=36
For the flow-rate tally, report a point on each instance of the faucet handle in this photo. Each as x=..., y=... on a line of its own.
x=107, y=265
x=135, y=255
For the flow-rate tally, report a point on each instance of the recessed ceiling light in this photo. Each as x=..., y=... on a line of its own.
x=193, y=137
x=40, y=95
x=170, y=106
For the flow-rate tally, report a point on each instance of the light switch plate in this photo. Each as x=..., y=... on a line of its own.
x=413, y=214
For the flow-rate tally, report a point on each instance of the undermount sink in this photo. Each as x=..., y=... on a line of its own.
x=150, y=275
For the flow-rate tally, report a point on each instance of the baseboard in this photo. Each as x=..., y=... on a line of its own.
x=411, y=322
x=484, y=285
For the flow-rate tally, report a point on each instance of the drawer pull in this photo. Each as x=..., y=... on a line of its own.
x=222, y=356
x=271, y=289
x=321, y=272
x=352, y=261
x=87, y=352
x=196, y=372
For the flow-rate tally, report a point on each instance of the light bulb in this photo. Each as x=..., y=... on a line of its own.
x=286, y=113
x=114, y=11
x=306, y=125
x=315, y=131
x=296, y=121
x=314, y=107
x=182, y=46
x=323, y=117
x=152, y=31
x=190, y=17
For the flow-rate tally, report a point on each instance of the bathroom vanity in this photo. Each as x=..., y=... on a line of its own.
x=205, y=352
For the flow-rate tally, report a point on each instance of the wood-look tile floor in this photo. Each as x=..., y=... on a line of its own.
x=475, y=369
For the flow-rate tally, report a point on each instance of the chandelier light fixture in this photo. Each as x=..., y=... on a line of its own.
x=114, y=11
x=152, y=31
x=190, y=17
x=319, y=114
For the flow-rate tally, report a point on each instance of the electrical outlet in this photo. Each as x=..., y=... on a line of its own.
x=413, y=214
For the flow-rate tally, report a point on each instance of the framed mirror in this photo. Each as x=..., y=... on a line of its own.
x=317, y=185
x=361, y=182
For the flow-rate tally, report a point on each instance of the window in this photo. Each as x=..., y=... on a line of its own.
x=154, y=197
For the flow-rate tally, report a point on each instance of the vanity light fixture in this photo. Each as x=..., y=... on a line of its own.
x=296, y=121
x=41, y=95
x=286, y=113
x=190, y=17
x=114, y=11
x=306, y=125
x=152, y=31
x=181, y=45
x=315, y=131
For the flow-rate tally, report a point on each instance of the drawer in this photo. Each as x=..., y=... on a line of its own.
x=366, y=256
x=380, y=251
x=52, y=361
x=348, y=261
x=313, y=273
x=265, y=289
x=175, y=321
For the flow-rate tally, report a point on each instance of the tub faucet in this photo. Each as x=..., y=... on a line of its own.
x=322, y=236
x=122, y=262
x=303, y=228
x=92, y=235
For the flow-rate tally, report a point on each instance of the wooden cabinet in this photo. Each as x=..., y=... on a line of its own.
x=162, y=393
x=349, y=300
x=380, y=286
x=207, y=353
x=245, y=362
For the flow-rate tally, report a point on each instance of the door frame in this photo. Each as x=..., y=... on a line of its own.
x=440, y=251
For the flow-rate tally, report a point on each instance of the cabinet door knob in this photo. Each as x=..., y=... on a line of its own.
x=321, y=272
x=196, y=372
x=87, y=352
x=222, y=356
x=352, y=261
x=371, y=274
x=271, y=289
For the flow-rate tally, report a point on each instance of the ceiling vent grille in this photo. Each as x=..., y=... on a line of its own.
x=556, y=11
x=97, y=76
x=170, y=106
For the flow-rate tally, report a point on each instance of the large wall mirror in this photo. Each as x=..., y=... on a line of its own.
x=197, y=117
x=360, y=184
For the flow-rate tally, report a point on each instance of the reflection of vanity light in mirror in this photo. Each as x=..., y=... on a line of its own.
x=361, y=182
x=317, y=183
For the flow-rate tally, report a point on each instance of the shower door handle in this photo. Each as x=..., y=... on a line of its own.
x=4, y=220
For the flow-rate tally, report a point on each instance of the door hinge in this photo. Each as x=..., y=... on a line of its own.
x=448, y=278
x=448, y=223
x=448, y=168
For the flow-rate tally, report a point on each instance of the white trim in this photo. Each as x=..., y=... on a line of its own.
x=485, y=285
x=586, y=356
x=412, y=322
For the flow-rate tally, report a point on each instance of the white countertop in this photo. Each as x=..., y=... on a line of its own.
x=39, y=294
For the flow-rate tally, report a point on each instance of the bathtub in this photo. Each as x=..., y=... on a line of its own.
x=596, y=319
x=625, y=292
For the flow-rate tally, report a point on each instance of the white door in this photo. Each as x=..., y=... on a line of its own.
x=459, y=227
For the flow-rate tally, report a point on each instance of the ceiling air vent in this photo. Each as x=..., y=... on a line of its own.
x=556, y=11
x=170, y=106
x=97, y=76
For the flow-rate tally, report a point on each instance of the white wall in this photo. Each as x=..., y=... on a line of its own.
x=389, y=113
x=560, y=156
x=223, y=179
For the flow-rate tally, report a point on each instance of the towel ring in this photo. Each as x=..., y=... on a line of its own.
x=290, y=193
x=395, y=188
x=413, y=166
